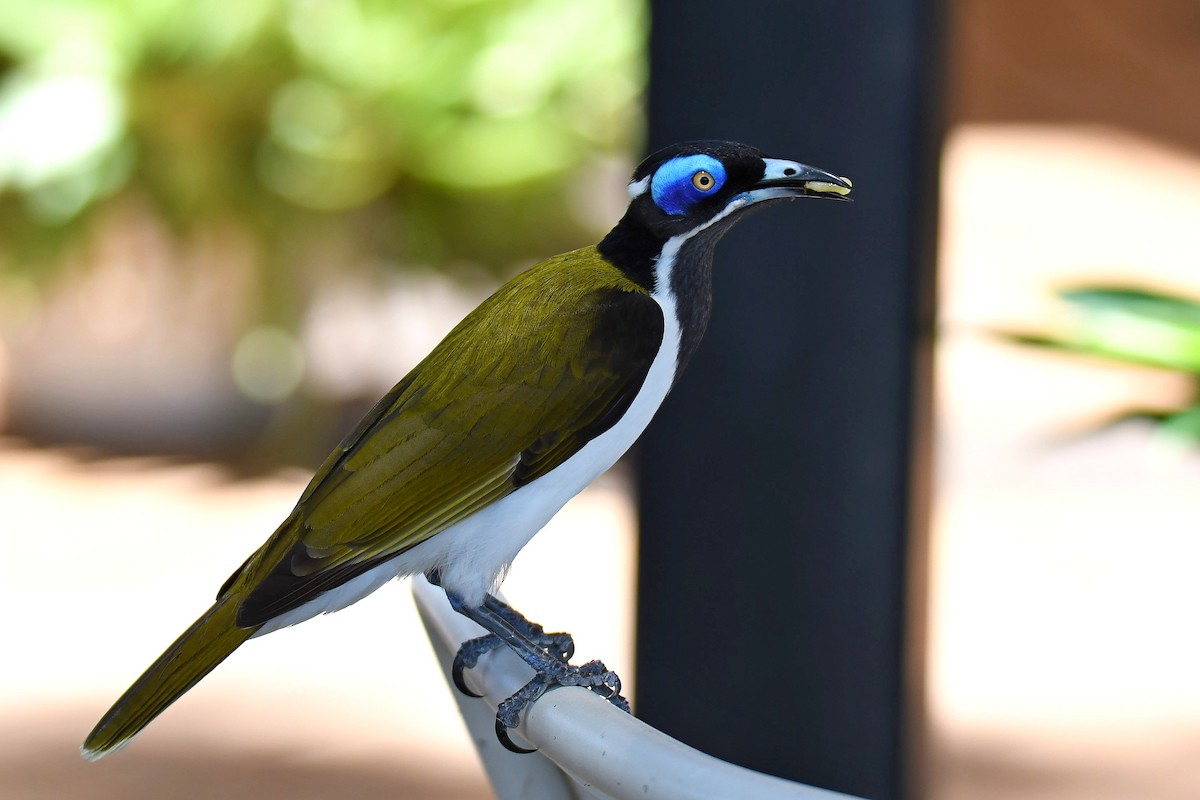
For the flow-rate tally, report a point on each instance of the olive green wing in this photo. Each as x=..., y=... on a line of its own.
x=545, y=365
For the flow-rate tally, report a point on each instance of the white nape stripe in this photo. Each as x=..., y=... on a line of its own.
x=664, y=266
x=638, y=188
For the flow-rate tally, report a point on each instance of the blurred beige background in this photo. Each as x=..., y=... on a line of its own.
x=1063, y=601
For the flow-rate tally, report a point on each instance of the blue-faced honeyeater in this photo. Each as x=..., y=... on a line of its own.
x=531, y=397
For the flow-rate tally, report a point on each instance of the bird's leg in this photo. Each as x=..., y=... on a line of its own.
x=546, y=653
x=558, y=645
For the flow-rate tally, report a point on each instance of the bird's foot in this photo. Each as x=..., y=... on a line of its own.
x=593, y=676
x=547, y=653
x=557, y=646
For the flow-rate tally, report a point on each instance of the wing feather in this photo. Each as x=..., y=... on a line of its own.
x=545, y=365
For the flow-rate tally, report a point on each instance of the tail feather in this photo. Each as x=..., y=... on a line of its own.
x=193, y=655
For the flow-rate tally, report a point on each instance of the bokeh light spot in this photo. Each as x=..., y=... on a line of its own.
x=268, y=364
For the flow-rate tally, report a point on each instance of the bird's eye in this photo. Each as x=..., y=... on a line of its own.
x=681, y=182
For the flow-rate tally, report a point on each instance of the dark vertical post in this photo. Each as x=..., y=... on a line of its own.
x=782, y=486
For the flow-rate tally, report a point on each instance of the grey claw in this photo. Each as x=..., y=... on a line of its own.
x=456, y=673
x=468, y=657
x=593, y=676
x=549, y=655
x=508, y=743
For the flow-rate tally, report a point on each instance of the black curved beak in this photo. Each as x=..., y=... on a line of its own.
x=792, y=179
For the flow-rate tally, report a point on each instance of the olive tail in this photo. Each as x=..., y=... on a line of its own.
x=193, y=655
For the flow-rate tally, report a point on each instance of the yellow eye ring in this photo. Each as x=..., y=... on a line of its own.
x=704, y=181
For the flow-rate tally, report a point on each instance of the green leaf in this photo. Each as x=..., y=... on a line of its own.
x=1184, y=425
x=1134, y=325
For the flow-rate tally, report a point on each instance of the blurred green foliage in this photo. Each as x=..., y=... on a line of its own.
x=421, y=131
x=1135, y=326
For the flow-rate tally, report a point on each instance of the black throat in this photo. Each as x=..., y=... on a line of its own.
x=636, y=250
x=633, y=248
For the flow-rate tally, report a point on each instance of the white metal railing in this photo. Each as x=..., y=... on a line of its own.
x=586, y=748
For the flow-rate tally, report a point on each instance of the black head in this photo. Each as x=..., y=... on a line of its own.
x=696, y=190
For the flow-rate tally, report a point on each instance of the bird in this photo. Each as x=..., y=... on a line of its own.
x=533, y=395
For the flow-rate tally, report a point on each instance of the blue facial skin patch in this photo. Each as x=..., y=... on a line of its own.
x=672, y=187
